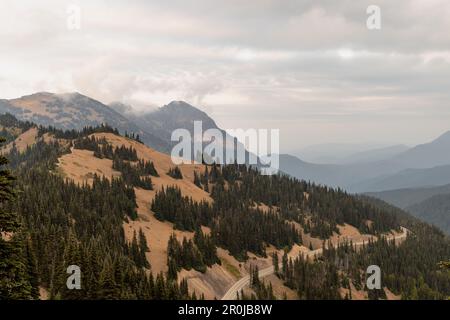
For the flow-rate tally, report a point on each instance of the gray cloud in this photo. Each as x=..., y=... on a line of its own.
x=310, y=68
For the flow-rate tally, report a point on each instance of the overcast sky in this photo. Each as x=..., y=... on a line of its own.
x=310, y=68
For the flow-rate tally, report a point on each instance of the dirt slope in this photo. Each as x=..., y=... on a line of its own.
x=25, y=139
x=81, y=165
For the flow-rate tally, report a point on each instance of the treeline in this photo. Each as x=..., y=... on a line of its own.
x=186, y=214
x=86, y=131
x=131, y=174
x=11, y=128
x=75, y=134
x=242, y=230
x=238, y=229
x=197, y=254
x=102, y=149
x=135, y=174
x=41, y=152
x=296, y=200
x=133, y=136
x=317, y=280
x=7, y=120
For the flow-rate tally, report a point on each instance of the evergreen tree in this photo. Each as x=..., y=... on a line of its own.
x=108, y=289
x=197, y=181
x=143, y=249
x=276, y=263
x=14, y=278
x=175, y=173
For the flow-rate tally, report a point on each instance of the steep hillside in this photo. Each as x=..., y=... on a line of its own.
x=142, y=228
x=429, y=204
x=434, y=210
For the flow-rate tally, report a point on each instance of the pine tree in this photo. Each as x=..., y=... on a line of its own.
x=284, y=268
x=197, y=181
x=31, y=263
x=143, y=248
x=134, y=250
x=108, y=288
x=276, y=263
x=175, y=173
x=14, y=278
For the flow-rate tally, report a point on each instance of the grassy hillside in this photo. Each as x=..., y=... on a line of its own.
x=141, y=228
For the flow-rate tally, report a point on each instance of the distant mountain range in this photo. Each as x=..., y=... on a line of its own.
x=423, y=165
x=345, y=153
x=416, y=179
x=372, y=155
x=404, y=198
x=407, y=178
x=75, y=111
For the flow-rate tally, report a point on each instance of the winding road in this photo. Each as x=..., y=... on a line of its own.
x=231, y=294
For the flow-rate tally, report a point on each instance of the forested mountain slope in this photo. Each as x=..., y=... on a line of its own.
x=432, y=204
x=141, y=228
x=434, y=210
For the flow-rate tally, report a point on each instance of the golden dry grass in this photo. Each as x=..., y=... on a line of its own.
x=27, y=138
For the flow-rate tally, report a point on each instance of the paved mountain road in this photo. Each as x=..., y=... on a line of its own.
x=231, y=294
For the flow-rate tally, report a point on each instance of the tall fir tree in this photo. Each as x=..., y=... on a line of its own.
x=14, y=276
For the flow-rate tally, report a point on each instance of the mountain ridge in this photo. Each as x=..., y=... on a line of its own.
x=406, y=197
x=74, y=111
